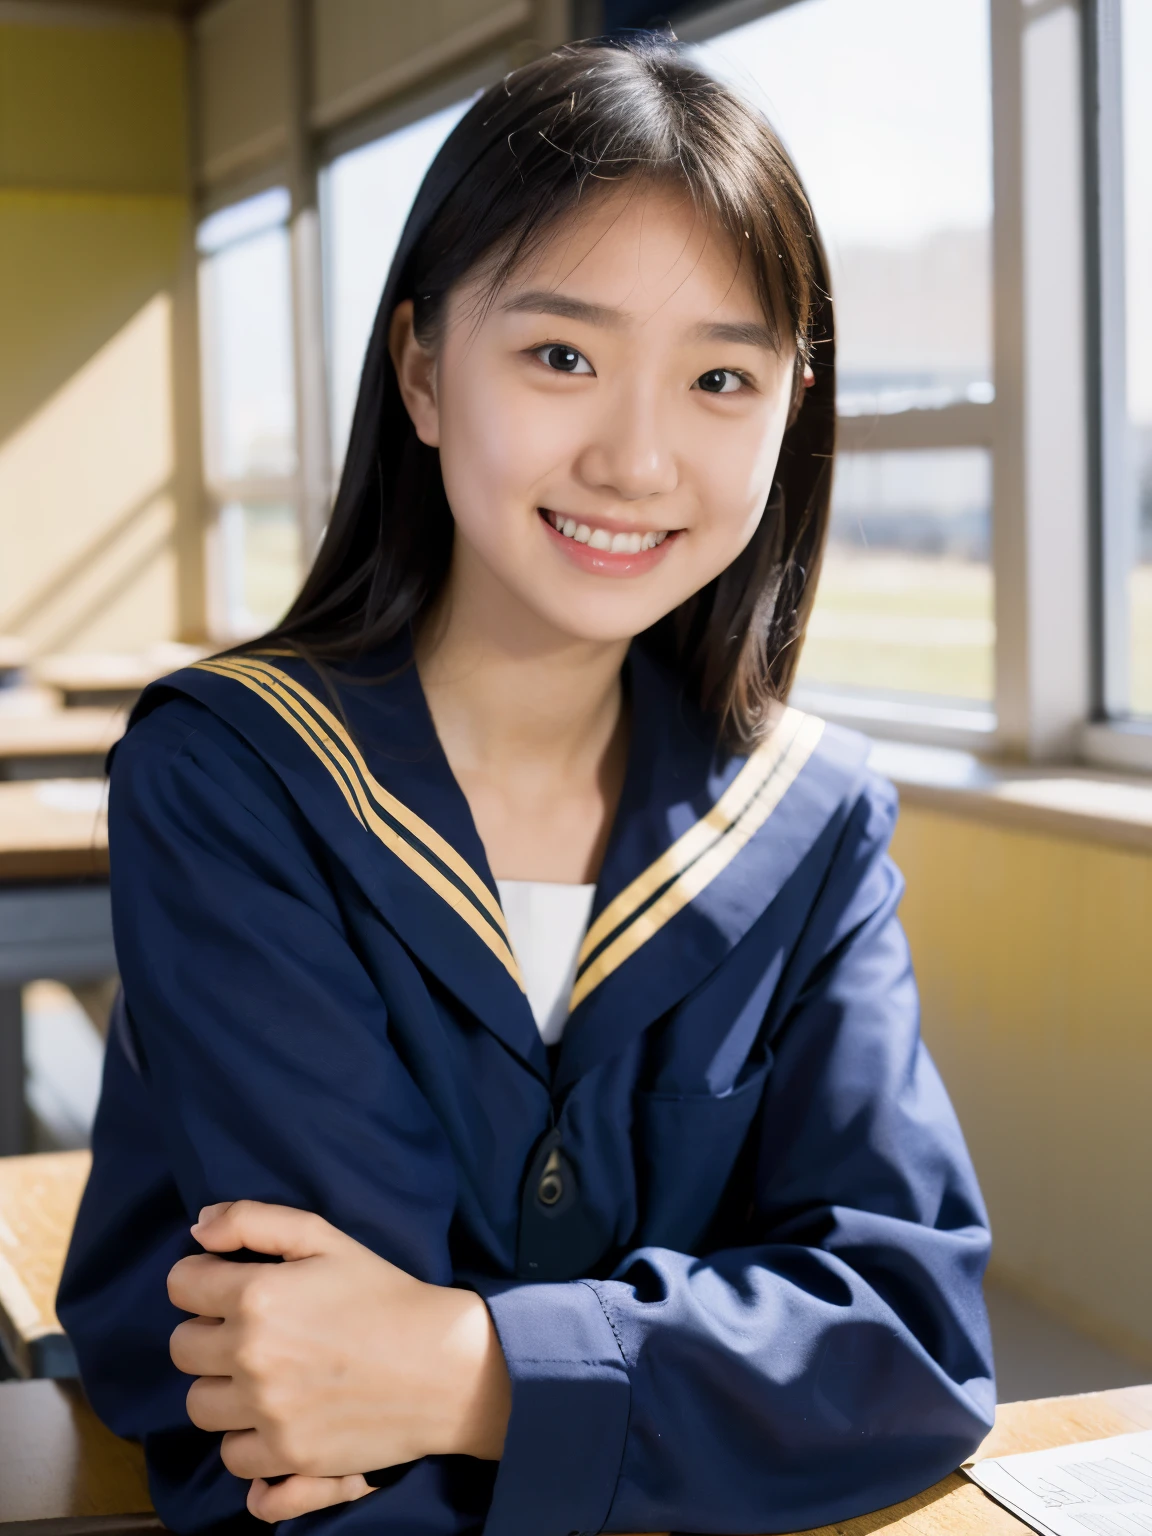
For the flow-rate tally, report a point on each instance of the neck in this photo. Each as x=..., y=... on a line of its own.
x=508, y=693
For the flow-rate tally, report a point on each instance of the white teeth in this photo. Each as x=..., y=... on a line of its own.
x=600, y=538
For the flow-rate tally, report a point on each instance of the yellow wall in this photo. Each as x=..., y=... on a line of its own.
x=93, y=235
x=1034, y=956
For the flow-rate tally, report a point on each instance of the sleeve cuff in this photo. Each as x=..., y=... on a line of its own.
x=570, y=1401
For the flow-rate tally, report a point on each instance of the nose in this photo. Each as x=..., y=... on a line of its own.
x=630, y=453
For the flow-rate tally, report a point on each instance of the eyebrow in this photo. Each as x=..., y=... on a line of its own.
x=537, y=301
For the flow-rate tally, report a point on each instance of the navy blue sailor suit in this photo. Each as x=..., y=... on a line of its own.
x=727, y=1230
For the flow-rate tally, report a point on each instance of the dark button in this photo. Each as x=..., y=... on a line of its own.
x=551, y=1186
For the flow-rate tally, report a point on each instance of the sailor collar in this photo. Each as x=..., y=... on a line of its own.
x=700, y=846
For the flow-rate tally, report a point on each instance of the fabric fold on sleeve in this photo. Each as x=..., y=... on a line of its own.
x=571, y=1399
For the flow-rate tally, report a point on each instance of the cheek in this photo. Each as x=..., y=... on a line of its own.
x=734, y=469
x=497, y=443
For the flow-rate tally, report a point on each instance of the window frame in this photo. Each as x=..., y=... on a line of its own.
x=1113, y=736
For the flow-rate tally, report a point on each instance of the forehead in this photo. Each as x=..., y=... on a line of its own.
x=646, y=250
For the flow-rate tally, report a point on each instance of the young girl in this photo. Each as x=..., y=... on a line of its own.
x=500, y=953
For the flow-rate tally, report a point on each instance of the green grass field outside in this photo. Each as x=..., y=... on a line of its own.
x=892, y=623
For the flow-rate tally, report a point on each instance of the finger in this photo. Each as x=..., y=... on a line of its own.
x=210, y=1286
x=247, y=1454
x=215, y=1403
x=301, y=1495
x=201, y=1346
x=275, y=1229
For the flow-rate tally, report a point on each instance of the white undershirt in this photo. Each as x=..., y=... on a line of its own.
x=547, y=923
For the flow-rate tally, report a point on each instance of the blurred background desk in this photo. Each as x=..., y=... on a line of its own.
x=55, y=916
x=39, y=1198
x=66, y=743
x=110, y=678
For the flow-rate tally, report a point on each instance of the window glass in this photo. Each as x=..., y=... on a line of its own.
x=1136, y=34
x=246, y=326
x=261, y=550
x=367, y=195
x=886, y=108
x=905, y=597
x=250, y=408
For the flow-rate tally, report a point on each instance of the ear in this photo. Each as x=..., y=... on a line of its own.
x=802, y=381
x=416, y=373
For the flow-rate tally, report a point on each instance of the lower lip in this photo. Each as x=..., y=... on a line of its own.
x=604, y=562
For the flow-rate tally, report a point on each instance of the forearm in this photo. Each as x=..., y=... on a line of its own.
x=767, y=1388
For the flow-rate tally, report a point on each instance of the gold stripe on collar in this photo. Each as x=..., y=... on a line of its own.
x=403, y=832
x=699, y=855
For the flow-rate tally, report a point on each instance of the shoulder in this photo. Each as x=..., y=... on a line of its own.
x=182, y=771
x=853, y=811
x=843, y=757
x=170, y=730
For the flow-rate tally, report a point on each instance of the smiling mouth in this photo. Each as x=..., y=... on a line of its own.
x=598, y=537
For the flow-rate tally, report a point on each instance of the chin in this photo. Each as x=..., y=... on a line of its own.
x=600, y=625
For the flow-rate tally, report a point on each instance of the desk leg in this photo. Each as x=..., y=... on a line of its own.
x=12, y=1111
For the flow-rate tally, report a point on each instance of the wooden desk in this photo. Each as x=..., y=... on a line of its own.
x=39, y=1198
x=956, y=1507
x=69, y=744
x=59, y=1465
x=61, y=1472
x=55, y=915
x=54, y=829
x=111, y=679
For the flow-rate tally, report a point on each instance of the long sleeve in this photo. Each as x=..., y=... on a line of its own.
x=263, y=1069
x=839, y=1361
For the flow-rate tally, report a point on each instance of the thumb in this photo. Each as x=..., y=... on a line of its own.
x=273, y=1229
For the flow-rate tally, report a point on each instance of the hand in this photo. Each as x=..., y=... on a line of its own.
x=331, y=1364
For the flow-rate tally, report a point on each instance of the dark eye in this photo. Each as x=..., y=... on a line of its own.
x=719, y=381
x=563, y=359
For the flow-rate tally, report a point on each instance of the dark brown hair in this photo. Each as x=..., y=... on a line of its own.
x=520, y=160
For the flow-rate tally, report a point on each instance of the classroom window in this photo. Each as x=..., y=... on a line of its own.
x=260, y=543
x=366, y=196
x=886, y=107
x=905, y=598
x=1136, y=127
x=249, y=409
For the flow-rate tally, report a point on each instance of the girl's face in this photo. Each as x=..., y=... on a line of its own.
x=608, y=433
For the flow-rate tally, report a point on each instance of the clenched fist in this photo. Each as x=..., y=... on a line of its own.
x=330, y=1364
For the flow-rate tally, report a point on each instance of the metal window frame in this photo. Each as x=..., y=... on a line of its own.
x=1113, y=737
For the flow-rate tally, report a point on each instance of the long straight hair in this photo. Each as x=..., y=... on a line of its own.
x=608, y=110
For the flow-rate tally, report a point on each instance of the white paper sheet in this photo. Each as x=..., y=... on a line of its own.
x=1098, y=1488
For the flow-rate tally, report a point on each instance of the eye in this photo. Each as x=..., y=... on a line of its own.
x=562, y=358
x=721, y=381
